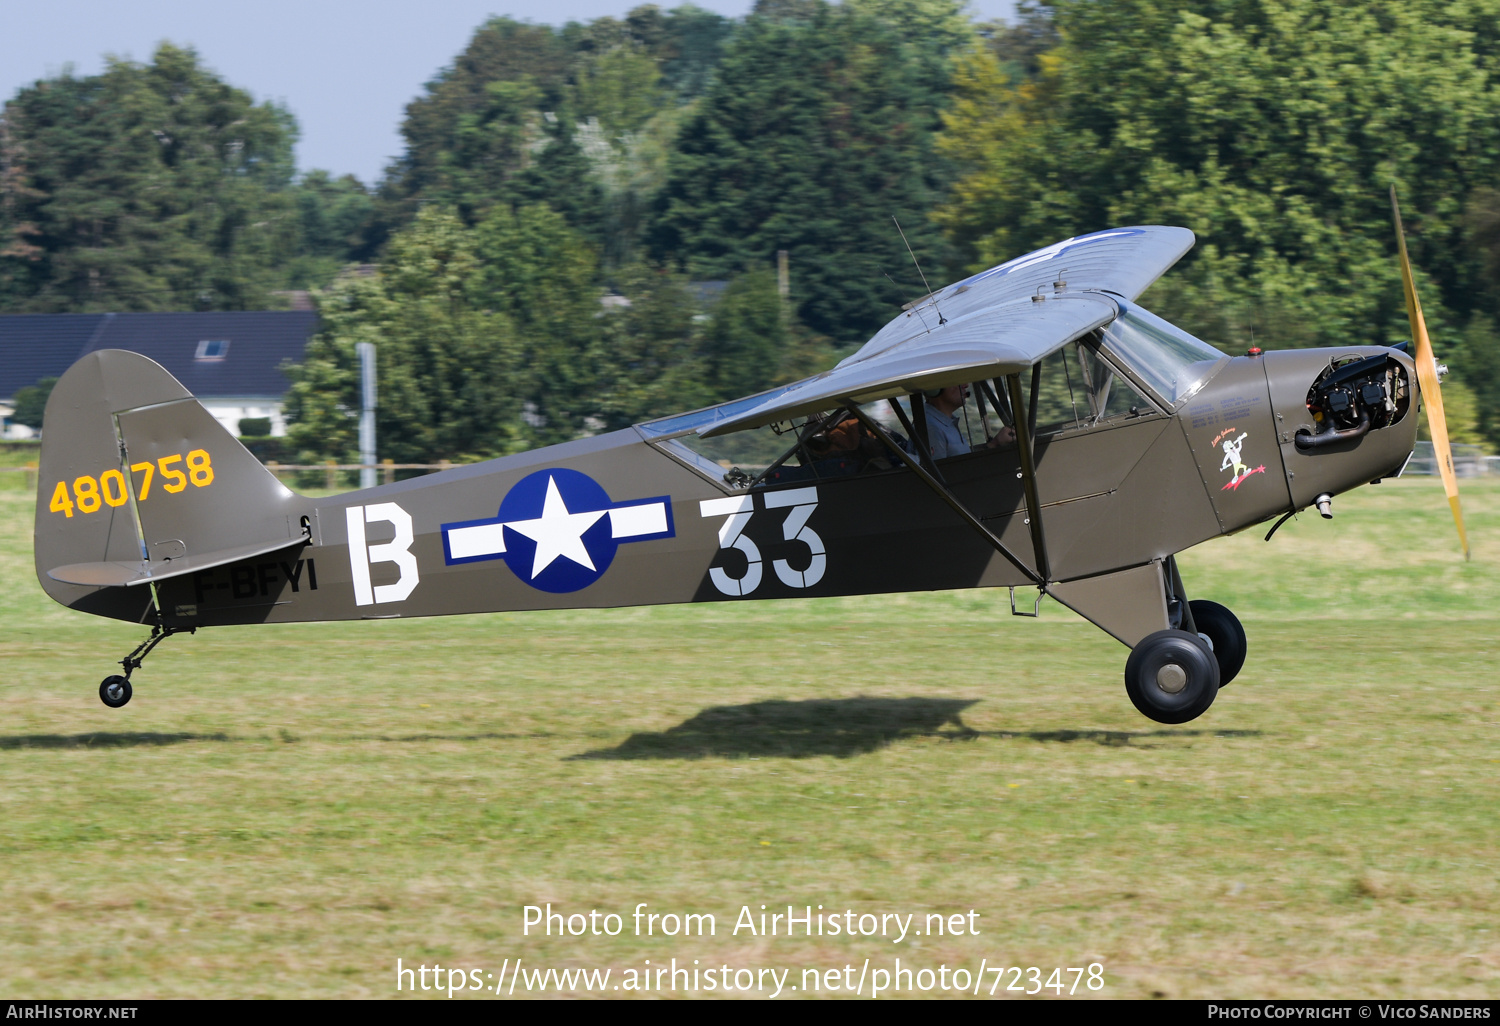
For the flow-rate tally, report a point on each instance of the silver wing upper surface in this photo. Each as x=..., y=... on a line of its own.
x=989, y=324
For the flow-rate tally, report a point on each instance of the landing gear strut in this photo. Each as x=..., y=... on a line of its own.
x=115, y=690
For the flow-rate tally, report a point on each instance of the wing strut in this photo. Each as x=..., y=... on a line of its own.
x=924, y=451
x=994, y=395
x=1036, y=386
x=919, y=419
x=984, y=418
x=1024, y=441
x=952, y=500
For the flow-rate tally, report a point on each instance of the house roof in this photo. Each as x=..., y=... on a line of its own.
x=35, y=346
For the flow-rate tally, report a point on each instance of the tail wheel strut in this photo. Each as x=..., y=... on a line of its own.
x=115, y=690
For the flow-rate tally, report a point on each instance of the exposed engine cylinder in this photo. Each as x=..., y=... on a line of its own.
x=1350, y=400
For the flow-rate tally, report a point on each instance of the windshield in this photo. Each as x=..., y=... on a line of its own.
x=1171, y=362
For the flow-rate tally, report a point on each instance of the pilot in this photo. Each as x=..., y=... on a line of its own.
x=947, y=439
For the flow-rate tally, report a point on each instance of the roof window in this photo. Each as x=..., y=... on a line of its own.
x=212, y=349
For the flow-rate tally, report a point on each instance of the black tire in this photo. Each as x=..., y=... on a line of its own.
x=1225, y=634
x=114, y=691
x=1167, y=660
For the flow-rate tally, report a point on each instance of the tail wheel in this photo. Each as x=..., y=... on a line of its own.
x=1224, y=633
x=115, y=691
x=1172, y=676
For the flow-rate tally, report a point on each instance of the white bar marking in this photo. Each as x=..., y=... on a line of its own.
x=792, y=497
x=481, y=540
x=634, y=521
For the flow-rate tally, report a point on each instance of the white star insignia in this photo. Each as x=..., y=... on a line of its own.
x=557, y=532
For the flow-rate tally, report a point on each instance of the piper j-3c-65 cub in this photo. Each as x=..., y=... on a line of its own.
x=1101, y=441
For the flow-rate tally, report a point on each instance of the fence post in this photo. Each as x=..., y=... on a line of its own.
x=443, y=465
x=330, y=476
x=273, y=466
x=31, y=475
x=390, y=470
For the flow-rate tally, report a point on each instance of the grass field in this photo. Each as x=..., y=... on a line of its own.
x=285, y=811
x=13, y=457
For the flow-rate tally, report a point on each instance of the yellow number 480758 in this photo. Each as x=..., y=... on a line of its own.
x=90, y=494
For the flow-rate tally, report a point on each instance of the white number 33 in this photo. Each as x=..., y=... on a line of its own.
x=799, y=504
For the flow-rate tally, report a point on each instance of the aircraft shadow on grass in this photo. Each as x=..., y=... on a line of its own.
x=134, y=739
x=841, y=727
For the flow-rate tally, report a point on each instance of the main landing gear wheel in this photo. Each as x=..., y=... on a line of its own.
x=115, y=691
x=1225, y=634
x=1172, y=676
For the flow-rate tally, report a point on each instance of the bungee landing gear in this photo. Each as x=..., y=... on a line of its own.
x=115, y=690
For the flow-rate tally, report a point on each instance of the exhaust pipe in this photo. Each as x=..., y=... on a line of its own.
x=1324, y=503
x=1306, y=441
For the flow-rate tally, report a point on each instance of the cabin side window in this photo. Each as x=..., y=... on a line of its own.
x=803, y=449
x=1077, y=389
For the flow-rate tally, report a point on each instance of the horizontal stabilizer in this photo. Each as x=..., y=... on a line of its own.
x=127, y=575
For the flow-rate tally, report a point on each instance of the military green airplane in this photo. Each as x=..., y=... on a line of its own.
x=1099, y=441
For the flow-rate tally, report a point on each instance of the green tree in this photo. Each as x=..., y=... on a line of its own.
x=619, y=88
x=493, y=339
x=689, y=48
x=561, y=175
x=147, y=187
x=654, y=364
x=1477, y=363
x=335, y=218
x=1475, y=368
x=475, y=126
x=1019, y=47
x=541, y=274
x=1461, y=414
x=443, y=360
x=814, y=134
x=527, y=114
x=31, y=402
x=747, y=337
x=677, y=349
x=1271, y=128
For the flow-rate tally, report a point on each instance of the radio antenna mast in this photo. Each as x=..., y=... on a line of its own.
x=941, y=319
x=916, y=308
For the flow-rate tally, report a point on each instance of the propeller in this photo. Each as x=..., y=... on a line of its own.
x=1427, y=379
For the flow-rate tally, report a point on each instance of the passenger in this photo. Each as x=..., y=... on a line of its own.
x=847, y=447
x=946, y=438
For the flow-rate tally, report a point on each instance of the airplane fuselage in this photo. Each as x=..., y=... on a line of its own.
x=616, y=520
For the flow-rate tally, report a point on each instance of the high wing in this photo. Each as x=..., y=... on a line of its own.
x=994, y=323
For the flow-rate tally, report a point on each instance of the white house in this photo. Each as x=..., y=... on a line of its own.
x=230, y=360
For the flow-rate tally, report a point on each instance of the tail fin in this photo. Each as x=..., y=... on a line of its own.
x=139, y=483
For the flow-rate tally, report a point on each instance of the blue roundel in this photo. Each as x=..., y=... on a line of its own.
x=557, y=530
x=556, y=523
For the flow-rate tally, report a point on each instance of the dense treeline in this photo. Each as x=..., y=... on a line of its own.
x=159, y=187
x=1272, y=128
x=664, y=158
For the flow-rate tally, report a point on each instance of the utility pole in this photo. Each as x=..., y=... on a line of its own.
x=366, y=351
